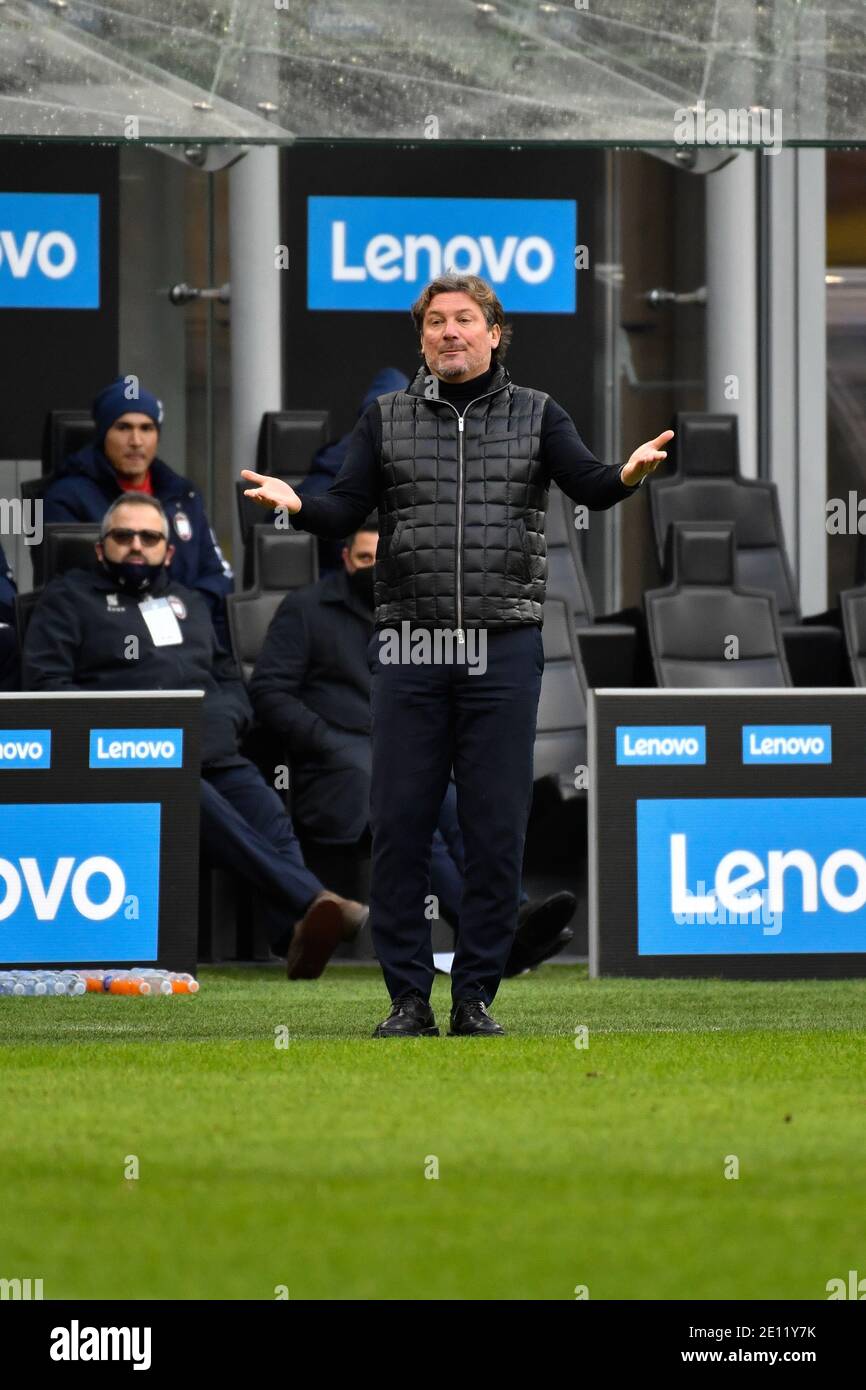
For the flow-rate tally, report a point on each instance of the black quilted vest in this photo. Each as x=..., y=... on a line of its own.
x=461, y=511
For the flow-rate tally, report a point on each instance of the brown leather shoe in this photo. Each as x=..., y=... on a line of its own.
x=327, y=922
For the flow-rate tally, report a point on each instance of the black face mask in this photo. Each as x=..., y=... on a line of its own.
x=132, y=578
x=361, y=584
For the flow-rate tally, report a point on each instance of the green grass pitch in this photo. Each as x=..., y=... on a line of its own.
x=308, y=1167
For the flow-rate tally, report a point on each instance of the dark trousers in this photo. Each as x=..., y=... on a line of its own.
x=245, y=828
x=426, y=719
x=331, y=801
x=448, y=861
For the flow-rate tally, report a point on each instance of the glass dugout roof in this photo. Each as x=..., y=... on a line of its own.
x=587, y=71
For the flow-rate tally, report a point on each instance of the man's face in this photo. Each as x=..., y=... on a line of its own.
x=456, y=341
x=130, y=444
x=152, y=548
x=363, y=552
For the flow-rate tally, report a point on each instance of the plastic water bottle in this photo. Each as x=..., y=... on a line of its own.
x=29, y=984
x=112, y=981
x=75, y=983
x=118, y=982
x=160, y=982
x=178, y=981
x=138, y=984
x=185, y=986
x=135, y=984
x=54, y=983
x=93, y=980
x=182, y=983
x=157, y=982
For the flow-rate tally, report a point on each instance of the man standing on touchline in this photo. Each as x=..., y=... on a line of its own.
x=459, y=465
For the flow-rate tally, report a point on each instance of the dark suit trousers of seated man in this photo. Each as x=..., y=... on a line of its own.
x=245, y=829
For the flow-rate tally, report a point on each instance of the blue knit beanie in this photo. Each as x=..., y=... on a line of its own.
x=126, y=394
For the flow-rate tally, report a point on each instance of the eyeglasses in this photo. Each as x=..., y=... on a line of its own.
x=124, y=536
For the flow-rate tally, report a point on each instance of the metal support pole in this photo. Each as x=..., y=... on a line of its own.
x=256, y=346
x=732, y=300
x=811, y=385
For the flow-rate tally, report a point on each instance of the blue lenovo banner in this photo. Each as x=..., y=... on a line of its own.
x=49, y=250
x=787, y=743
x=651, y=745
x=136, y=747
x=21, y=748
x=79, y=882
x=379, y=253
x=740, y=875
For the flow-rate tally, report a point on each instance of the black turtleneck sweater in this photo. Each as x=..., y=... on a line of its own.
x=459, y=391
x=355, y=491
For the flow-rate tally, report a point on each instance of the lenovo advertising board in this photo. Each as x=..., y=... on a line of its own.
x=59, y=289
x=368, y=225
x=728, y=833
x=99, y=816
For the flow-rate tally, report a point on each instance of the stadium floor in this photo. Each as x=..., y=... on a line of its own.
x=301, y=1168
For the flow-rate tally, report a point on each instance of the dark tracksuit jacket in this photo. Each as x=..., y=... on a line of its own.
x=76, y=640
x=83, y=489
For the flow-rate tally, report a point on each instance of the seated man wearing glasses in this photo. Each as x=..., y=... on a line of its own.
x=128, y=626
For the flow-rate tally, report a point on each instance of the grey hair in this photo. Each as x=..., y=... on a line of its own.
x=134, y=499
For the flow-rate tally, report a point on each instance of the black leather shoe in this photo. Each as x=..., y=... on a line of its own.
x=470, y=1019
x=521, y=960
x=539, y=932
x=539, y=922
x=410, y=1017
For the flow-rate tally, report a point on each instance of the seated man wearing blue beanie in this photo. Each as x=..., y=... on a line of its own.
x=122, y=458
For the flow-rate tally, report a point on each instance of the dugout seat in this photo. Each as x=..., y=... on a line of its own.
x=707, y=486
x=607, y=648
x=64, y=433
x=33, y=490
x=692, y=620
x=256, y=520
x=68, y=545
x=282, y=560
x=560, y=737
x=860, y=562
x=288, y=440
x=853, y=605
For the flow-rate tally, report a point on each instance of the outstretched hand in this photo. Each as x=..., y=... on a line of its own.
x=270, y=492
x=645, y=459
